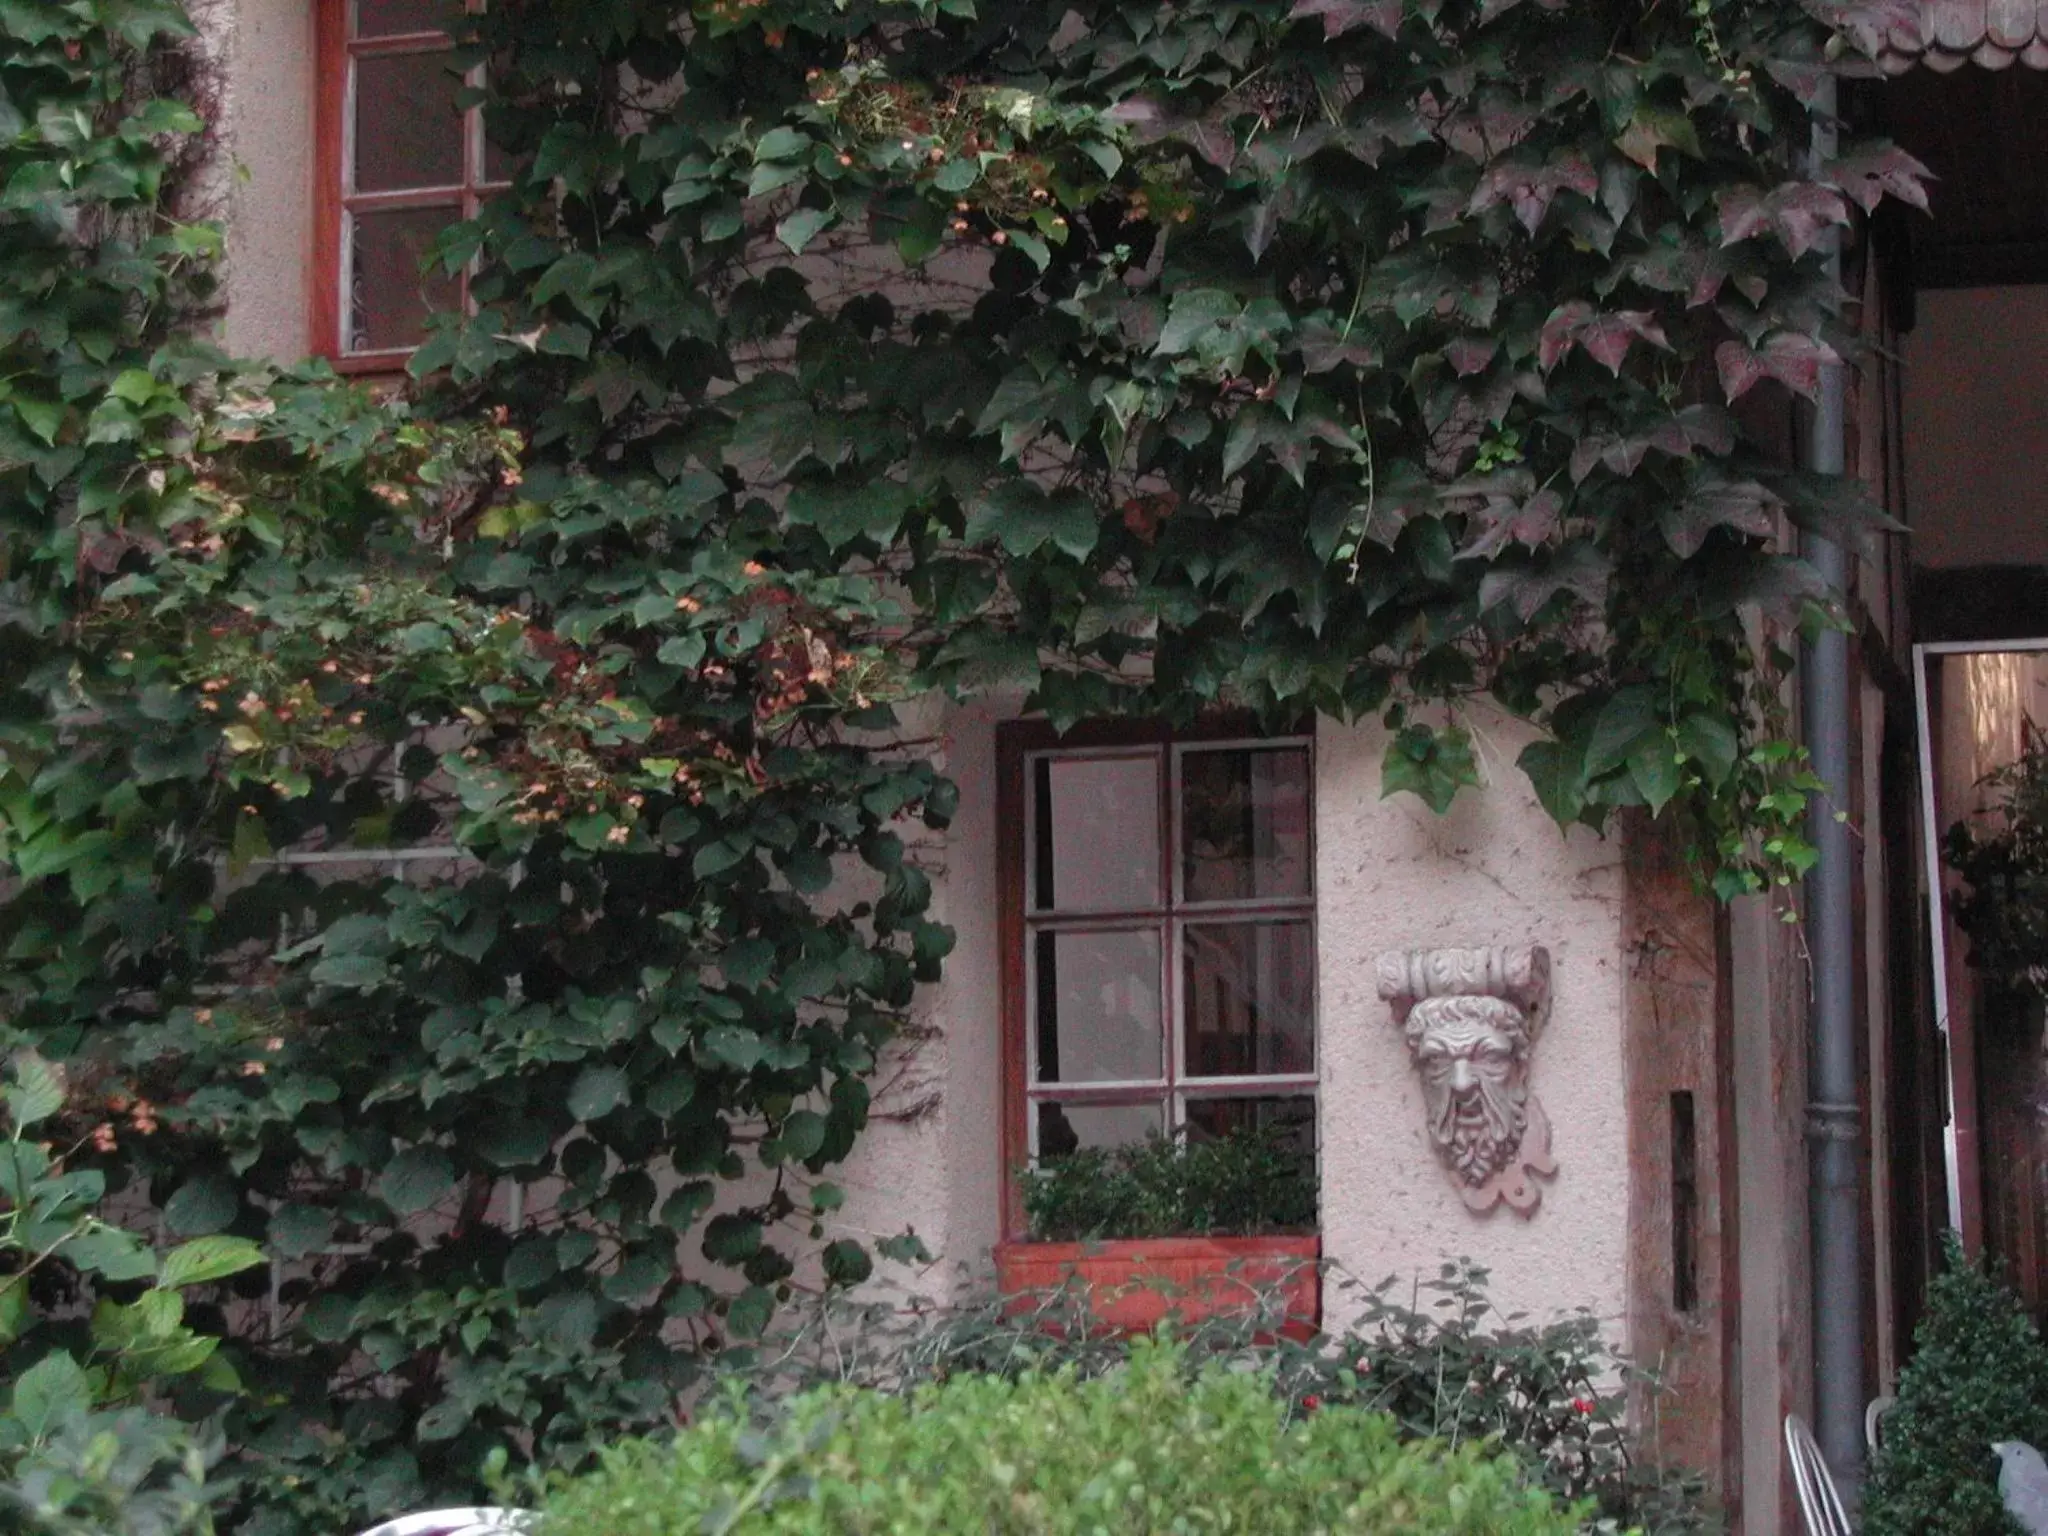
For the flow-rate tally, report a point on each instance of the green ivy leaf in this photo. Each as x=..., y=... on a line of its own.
x=732, y=1239
x=1023, y=519
x=297, y=1230
x=207, y=1259
x=415, y=1179
x=514, y=1140
x=802, y=227
x=49, y=1394
x=597, y=1091
x=203, y=1206
x=847, y=1263
x=35, y=1090
x=1558, y=773
x=749, y=1314
x=1433, y=765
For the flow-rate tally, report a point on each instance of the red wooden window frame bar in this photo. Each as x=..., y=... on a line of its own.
x=1016, y=741
x=333, y=202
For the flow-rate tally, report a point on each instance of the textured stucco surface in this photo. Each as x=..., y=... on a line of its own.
x=267, y=141
x=939, y=1172
x=1495, y=870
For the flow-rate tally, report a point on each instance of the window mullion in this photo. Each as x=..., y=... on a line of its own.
x=1173, y=1014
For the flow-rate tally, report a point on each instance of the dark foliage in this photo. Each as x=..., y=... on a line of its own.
x=1978, y=1375
x=1238, y=1185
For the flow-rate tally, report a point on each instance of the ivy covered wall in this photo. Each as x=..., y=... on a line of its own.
x=1359, y=357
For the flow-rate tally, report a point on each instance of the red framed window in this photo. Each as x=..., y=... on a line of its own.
x=1159, y=926
x=399, y=161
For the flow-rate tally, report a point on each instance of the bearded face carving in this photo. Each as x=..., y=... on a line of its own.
x=1470, y=1018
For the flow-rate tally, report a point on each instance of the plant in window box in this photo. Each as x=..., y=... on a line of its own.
x=1187, y=1226
x=2002, y=857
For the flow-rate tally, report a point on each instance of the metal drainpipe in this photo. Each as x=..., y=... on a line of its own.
x=1833, y=1116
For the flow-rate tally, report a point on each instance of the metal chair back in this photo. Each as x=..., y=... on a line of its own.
x=457, y=1522
x=1819, y=1504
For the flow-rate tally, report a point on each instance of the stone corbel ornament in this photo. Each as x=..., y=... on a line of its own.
x=1471, y=1018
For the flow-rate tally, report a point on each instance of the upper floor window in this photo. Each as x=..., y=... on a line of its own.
x=400, y=160
x=1160, y=901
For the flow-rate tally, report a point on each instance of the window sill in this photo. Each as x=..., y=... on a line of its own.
x=1131, y=1284
x=371, y=366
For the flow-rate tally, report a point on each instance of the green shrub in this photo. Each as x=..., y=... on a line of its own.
x=1438, y=1359
x=1978, y=1374
x=1174, y=1186
x=92, y=1324
x=1139, y=1449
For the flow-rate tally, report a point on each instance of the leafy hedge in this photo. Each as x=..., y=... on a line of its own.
x=1436, y=1357
x=1978, y=1374
x=1141, y=1448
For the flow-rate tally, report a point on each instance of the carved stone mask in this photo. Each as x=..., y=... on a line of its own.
x=1473, y=1054
x=1470, y=1018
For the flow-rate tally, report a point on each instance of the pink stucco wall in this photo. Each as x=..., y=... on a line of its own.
x=1393, y=875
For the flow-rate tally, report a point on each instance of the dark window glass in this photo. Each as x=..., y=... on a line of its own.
x=1245, y=825
x=394, y=18
x=1064, y=1128
x=1250, y=998
x=1097, y=834
x=408, y=129
x=389, y=296
x=1099, y=1015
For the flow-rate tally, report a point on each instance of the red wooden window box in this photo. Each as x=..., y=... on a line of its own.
x=1133, y=1283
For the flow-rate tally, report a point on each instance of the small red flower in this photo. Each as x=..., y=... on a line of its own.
x=1582, y=1405
x=1310, y=1403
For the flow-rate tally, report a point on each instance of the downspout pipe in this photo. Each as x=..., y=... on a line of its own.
x=1833, y=1113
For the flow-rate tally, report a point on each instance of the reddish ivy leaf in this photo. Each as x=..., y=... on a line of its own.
x=1791, y=358
x=1868, y=23
x=1559, y=331
x=1697, y=426
x=1494, y=126
x=1742, y=505
x=1503, y=521
x=1655, y=128
x=1340, y=16
x=1799, y=213
x=1742, y=214
x=1802, y=78
x=1579, y=568
x=1530, y=189
x=1470, y=354
x=1324, y=348
x=1608, y=337
x=1212, y=141
x=1878, y=171
x=1148, y=121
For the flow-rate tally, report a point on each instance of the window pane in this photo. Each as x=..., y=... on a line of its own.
x=1293, y=1120
x=388, y=297
x=1064, y=1128
x=1098, y=1008
x=390, y=18
x=1250, y=1003
x=1244, y=824
x=1097, y=833
x=408, y=129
